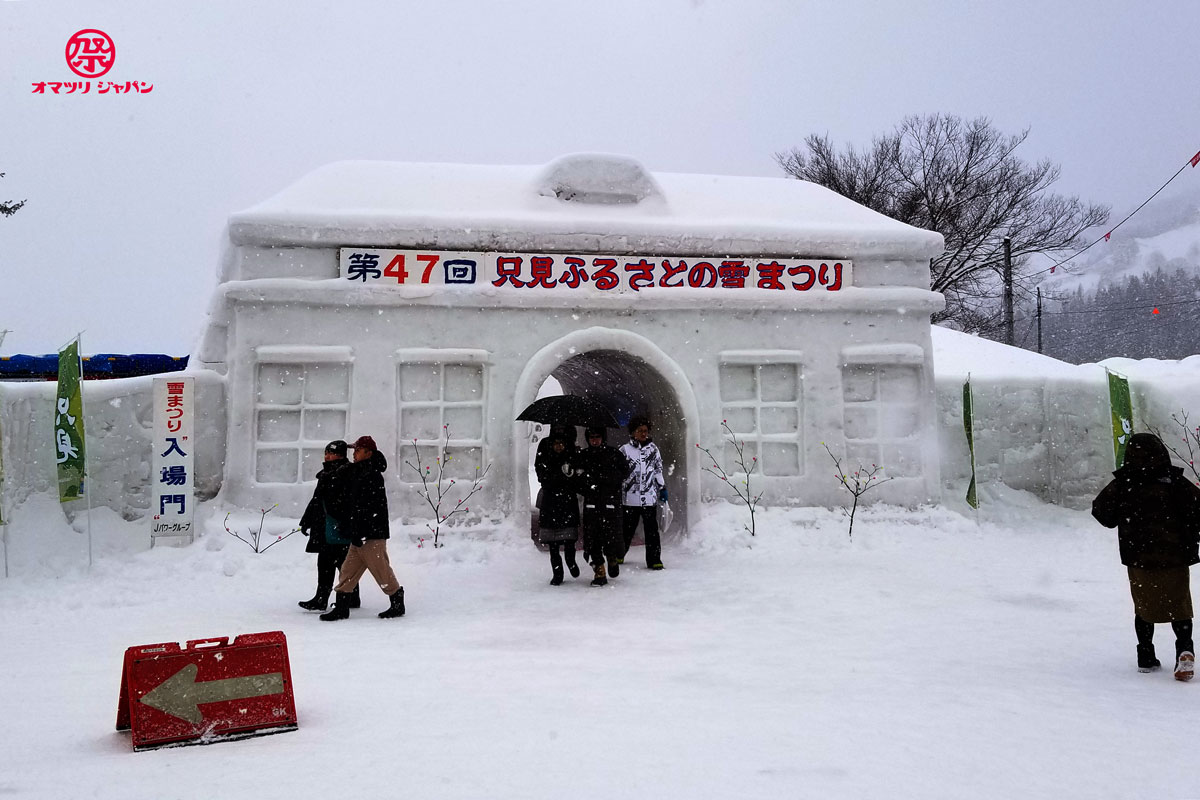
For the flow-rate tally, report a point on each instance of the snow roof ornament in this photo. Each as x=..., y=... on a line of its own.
x=597, y=178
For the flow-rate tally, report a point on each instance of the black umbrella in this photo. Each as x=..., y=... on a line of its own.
x=569, y=409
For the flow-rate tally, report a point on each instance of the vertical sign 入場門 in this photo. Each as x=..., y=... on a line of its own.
x=172, y=499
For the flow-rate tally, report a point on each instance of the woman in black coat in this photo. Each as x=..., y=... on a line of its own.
x=1156, y=512
x=322, y=529
x=558, y=517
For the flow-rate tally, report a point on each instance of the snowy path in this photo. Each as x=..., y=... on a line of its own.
x=927, y=658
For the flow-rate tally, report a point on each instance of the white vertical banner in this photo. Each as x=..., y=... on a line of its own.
x=172, y=499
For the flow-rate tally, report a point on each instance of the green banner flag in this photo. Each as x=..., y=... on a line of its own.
x=1122, y=414
x=68, y=425
x=968, y=427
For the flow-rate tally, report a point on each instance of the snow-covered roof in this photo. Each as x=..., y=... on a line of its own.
x=589, y=202
x=957, y=354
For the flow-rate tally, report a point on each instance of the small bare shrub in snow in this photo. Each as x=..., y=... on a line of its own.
x=857, y=483
x=436, y=488
x=256, y=535
x=1188, y=436
x=744, y=467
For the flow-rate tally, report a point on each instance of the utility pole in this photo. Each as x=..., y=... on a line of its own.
x=1008, y=292
x=1039, y=317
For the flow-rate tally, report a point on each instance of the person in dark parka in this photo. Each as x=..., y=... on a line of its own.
x=601, y=473
x=321, y=529
x=558, y=517
x=1156, y=511
x=360, y=505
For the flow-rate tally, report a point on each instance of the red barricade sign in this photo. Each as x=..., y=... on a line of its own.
x=209, y=690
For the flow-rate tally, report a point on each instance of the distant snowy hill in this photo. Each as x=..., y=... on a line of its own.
x=1163, y=235
x=1134, y=296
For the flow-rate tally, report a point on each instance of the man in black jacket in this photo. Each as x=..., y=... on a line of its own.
x=601, y=472
x=323, y=531
x=361, y=507
x=1156, y=511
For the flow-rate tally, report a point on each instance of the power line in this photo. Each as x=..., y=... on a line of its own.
x=1193, y=161
x=1127, y=308
x=1140, y=326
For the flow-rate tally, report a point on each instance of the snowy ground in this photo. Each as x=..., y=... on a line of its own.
x=927, y=658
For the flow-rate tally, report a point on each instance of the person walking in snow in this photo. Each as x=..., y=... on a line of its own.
x=558, y=517
x=643, y=489
x=322, y=531
x=601, y=473
x=1156, y=512
x=360, y=506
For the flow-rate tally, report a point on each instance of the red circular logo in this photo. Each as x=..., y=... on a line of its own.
x=91, y=53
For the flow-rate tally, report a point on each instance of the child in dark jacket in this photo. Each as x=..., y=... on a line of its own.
x=1156, y=512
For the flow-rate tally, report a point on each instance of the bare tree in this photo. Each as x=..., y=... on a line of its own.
x=10, y=207
x=740, y=467
x=962, y=180
x=857, y=484
x=256, y=536
x=436, y=492
x=1189, y=436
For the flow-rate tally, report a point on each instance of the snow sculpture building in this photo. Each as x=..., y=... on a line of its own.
x=405, y=300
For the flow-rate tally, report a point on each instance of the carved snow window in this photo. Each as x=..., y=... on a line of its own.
x=302, y=402
x=761, y=402
x=882, y=416
x=442, y=391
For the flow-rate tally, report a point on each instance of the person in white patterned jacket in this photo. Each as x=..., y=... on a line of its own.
x=644, y=488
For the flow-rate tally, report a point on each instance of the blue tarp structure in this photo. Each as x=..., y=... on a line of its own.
x=100, y=365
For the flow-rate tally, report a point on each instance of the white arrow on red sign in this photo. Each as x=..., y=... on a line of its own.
x=180, y=695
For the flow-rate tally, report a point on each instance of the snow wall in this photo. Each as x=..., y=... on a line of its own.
x=1052, y=434
x=118, y=421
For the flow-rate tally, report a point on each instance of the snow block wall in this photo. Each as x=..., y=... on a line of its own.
x=1051, y=434
x=118, y=423
x=1050, y=437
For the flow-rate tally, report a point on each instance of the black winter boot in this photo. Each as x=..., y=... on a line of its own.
x=396, y=609
x=340, y=610
x=355, y=600
x=320, y=600
x=557, y=578
x=1146, y=660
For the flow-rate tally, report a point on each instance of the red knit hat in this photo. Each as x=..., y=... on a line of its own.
x=365, y=442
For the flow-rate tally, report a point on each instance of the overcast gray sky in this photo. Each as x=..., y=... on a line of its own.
x=127, y=194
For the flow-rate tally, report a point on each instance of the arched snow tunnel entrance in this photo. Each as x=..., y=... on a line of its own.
x=631, y=376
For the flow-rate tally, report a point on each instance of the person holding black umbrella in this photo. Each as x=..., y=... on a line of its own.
x=558, y=518
x=601, y=473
